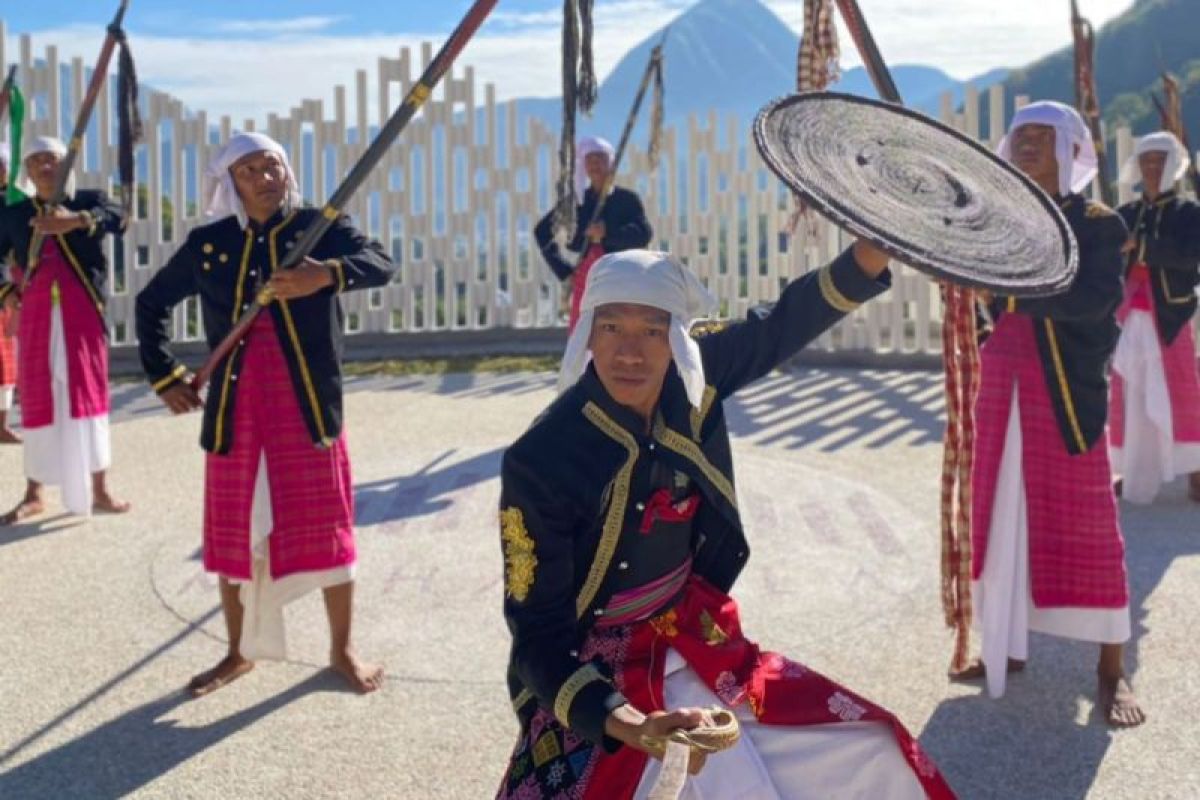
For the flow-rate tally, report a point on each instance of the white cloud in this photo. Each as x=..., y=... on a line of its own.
x=963, y=38
x=247, y=75
x=277, y=26
x=526, y=18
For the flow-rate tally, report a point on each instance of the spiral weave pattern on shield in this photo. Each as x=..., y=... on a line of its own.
x=930, y=196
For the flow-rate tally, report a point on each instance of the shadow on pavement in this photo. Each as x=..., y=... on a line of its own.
x=40, y=526
x=132, y=750
x=830, y=409
x=1034, y=741
x=1155, y=536
x=424, y=492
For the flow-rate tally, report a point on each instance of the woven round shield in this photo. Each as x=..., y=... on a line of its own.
x=924, y=193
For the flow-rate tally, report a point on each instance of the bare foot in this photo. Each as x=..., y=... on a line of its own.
x=976, y=671
x=1117, y=703
x=1118, y=487
x=27, y=508
x=107, y=504
x=227, y=670
x=364, y=678
x=9, y=436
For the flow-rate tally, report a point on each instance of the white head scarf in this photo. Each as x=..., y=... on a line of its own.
x=584, y=148
x=1075, y=170
x=224, y=200
x=1177, y=164
x=648, y=278
x=38, y=145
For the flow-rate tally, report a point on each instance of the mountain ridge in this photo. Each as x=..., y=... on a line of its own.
x=756, y=50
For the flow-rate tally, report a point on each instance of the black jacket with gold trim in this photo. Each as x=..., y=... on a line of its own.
x=223, y=264
x=625, y=225
x=570, y=487
x=1167, y=233
x=83, y=248
x=1076, y=330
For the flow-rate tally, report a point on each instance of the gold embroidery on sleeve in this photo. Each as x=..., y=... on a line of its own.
x=520, y=563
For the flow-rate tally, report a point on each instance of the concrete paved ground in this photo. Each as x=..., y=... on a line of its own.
x=102, y=622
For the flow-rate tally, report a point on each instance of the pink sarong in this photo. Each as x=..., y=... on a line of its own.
x=312, y=495
x=86, y=342
x=1076, y=551
x=1178, y=366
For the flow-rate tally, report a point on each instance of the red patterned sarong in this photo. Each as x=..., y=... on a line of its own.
x=704, y=628
x=1076, y=552
x=86, y=342
x=1178, y=364
x=312, y=498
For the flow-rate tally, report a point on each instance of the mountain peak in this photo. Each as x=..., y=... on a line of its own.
x=732, y=57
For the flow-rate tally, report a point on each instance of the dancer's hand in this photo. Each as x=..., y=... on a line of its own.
x=628, y=725
x=308, y=277
x=12, y=302
x=181, y=398
x=596, y=232
x=58, y=220
x=871, y=260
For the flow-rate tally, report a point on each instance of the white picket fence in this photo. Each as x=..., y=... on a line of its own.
x=456, y=199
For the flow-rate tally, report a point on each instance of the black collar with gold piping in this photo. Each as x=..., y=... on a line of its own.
x=674, y=420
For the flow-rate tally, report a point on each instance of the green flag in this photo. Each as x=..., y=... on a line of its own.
x=16, y=121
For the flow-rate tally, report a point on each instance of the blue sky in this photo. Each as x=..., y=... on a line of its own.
x=252, y=57
x=214, y=18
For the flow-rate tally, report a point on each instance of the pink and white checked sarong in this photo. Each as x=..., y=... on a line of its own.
x=1076, y=551
x=1154, y=408
x=312, y=497
x=86, y=343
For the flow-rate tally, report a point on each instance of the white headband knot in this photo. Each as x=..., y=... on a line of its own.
x=649, y=278
x=1076, y=167
x=224, y=200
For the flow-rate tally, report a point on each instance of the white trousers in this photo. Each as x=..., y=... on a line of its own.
x=847, y=760
x=262, y=598
x=66, y=452
x=1150, y=456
